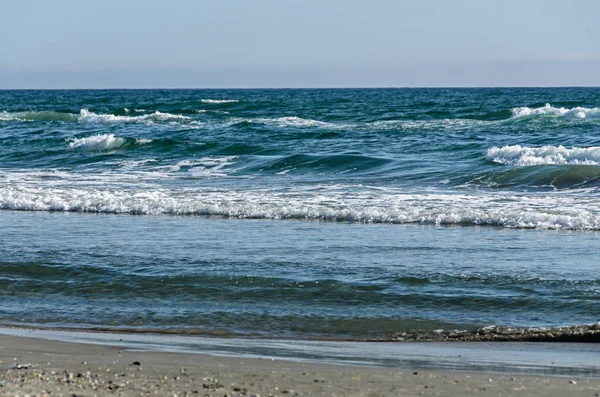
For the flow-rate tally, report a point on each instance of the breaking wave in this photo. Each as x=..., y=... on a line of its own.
x=97, y=142
x=103, y=142
x=85, y=116
x=517, y=155
x=548, y=110
x=90, y=117
x=293, y=121
x=322, y=204
x=284, y=122
x=218, y=101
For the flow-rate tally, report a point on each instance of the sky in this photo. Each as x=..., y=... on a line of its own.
x=298, y=43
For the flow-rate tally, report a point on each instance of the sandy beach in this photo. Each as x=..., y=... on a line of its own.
x=32, y=366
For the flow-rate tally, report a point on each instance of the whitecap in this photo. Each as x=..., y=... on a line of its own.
x=203, y=111
x=286, y=122
x=218, y=101
x=5, y=116
x=283, y=122
x=517, y=155
x=549, y=110
x=293, y=121
x=324, y=203
x=132, y=164
x=97, y=142
x=436, y=124
x=90, y=117
x=85, y=116
x=204, y=167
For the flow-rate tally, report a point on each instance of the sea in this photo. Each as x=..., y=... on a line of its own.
x=301, y=214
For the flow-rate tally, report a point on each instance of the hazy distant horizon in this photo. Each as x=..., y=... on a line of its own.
x=550, y=73
x=150, y=88
x=293, y=44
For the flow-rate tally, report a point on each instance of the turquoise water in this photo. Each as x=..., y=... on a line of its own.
x=299, y=213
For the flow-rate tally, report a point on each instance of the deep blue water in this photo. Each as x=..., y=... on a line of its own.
x=300, y=213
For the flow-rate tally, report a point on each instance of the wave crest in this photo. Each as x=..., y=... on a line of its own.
x=39, y=116
x=97, y=142
x=285, y=122
x=90, y=117
x=363, y=206
x=293, y=121
x=549, y=110
x=545, y=155
x=85, y=116
x=218, y=101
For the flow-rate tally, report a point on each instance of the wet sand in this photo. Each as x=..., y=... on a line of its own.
x=32, y=366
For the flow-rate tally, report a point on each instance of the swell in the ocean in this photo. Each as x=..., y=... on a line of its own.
x=361, y=214
x=426, y=121
x=85, y=116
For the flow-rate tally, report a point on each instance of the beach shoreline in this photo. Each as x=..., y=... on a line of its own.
x=34, y=366
x=581, y=333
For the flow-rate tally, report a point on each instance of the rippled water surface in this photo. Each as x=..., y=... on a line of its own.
x=299, y=213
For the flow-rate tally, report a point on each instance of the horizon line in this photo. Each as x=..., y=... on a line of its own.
x=301, y=88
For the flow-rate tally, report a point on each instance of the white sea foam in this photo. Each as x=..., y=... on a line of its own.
x=218, y=101
x=103, y=142
x=545, y=155
x=342, y=203
x=90, y=117
x=85, y=116
x=203, y=111
x=442, y=124
x=293, y=121
x=97, y=142
x=576, y=112
x=284, y=171
x=204, y=167
x=132, y=164
x=283, y=122
x=5, y=116
x=138, y=173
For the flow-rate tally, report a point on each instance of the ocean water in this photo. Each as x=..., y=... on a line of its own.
x=338, y=214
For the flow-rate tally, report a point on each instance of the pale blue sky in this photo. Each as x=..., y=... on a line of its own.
x=294, y=43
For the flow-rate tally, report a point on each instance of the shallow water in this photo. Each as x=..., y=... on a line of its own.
x=549, y=359
x=289, y=278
